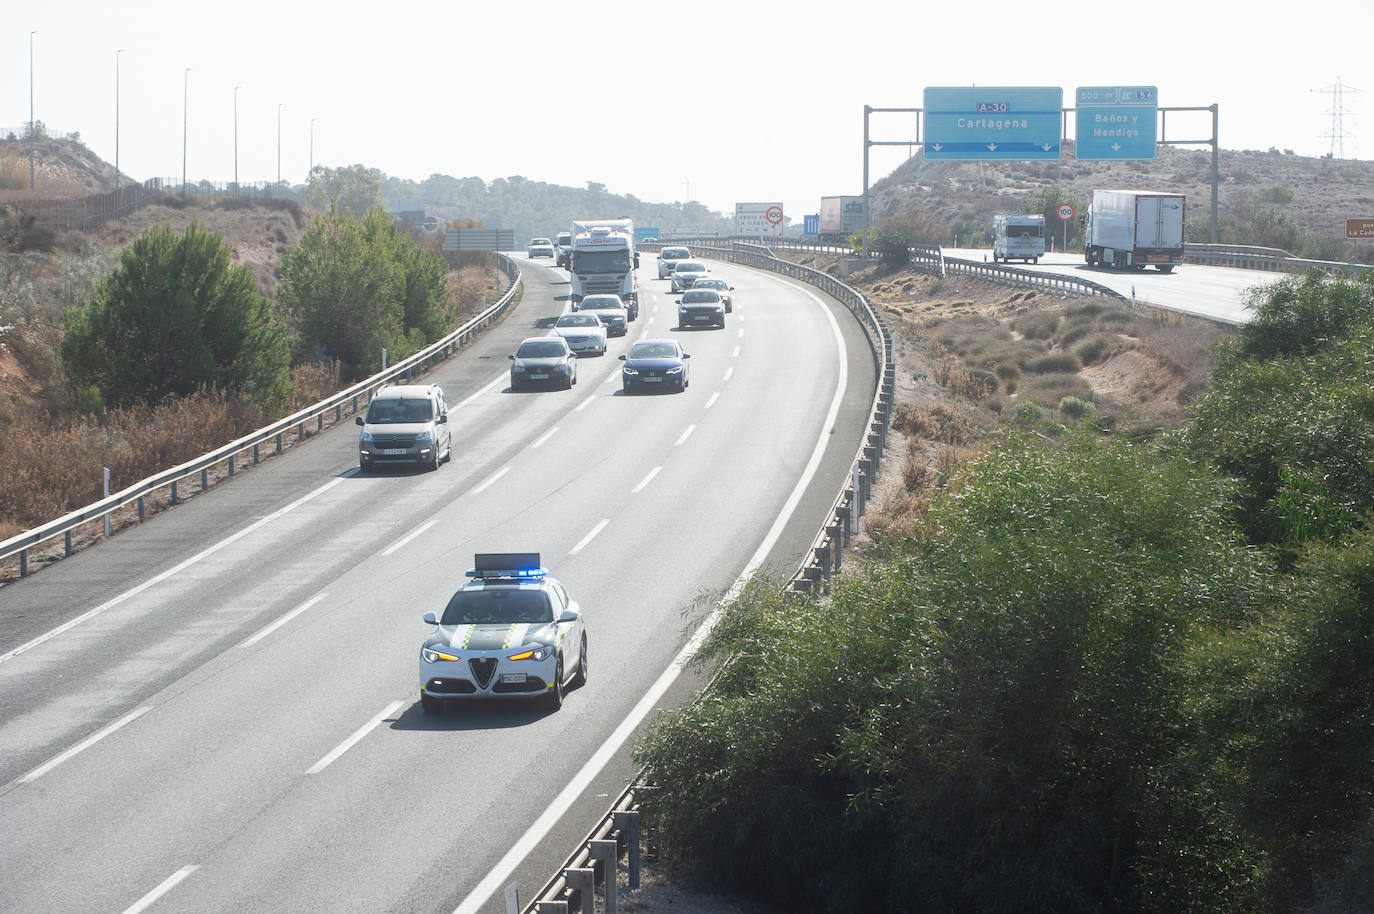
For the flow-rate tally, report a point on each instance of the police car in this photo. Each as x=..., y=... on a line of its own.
x=510, y=631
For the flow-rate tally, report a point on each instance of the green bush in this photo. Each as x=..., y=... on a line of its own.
x=176, y=317
x=1029, y=413
x=1054, y=362
x=1075, y=408
x=1090, y=351
x=1049, y=389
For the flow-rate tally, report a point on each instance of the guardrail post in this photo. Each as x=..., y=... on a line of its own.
x=300, y=432
x=205, y=479
x=823, y=558
x=627, y=820
x=231, y=464
x=582, y=881
x=141, y=509
x=174, y=492
x=23, y=563
x=67, y=543
x=609, y=855
x=278, y=442
x=836, y=534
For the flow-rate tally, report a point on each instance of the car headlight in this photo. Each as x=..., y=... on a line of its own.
x=517, y=368
x=681, y=309
x=430, y=655
x=425, y=437
x=677, y=370
x=628, y=370
x=366, y=438
x=536, y=654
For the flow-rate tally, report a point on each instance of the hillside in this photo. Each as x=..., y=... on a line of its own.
x=1325, y=191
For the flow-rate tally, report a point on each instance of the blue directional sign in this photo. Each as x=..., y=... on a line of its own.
x=1116, y=122
x=811, y=225
x=993, y=124
x=645, y=234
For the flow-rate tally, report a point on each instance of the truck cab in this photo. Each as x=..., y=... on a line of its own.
x=1018, y=236
x=603, y=260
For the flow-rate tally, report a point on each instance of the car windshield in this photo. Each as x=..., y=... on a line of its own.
x=603, y=261
x=578, y=320
x=541, y=349
x=382, y=412
x=497, y=605
x=694, y=297
x=653, y=349
x=565, y=239
x=710, y=284
x=674, y=254
x=689, y=266
x=592, y=303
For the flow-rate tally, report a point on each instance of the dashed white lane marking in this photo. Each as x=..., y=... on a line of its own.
x=353, y=740
x=645, y=481
x=582, y=544
x=545, y=437
x=712, y=401
x=284, y=619
x=685, y=435
x=490, y=480
x=166, y=886
x=408, y=537
x=729, y=371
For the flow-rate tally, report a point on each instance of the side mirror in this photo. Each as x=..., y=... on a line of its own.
x=686, y=355
x=636, y=260
x=443, y=418
x=622, y=358
x=431, y=618
x=357, y=420
x=677, y=301
x=568, y=615
x=731, y=288
x=511, y=357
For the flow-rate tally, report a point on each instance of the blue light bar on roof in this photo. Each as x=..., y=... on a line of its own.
x=506, y=565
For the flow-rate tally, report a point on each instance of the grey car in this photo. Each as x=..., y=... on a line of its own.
x=668, y=258
x=543, y=360
x=721, y=286
x=405, y=423
x=584, y=332
x=685, y=273
x=610, y=309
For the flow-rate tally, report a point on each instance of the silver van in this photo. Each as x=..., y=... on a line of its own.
x=405, y=423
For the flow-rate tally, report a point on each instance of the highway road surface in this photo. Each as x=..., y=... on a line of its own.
x=218, y=711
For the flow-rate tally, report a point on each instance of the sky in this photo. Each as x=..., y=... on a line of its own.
x=718, y=102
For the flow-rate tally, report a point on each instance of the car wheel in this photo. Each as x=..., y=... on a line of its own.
x=434, y=461
x=580, y=677
x=568, y=382
x=681, y=325
x=362, y=467
x=553, y=698
x=429, y=704
x=625, y=389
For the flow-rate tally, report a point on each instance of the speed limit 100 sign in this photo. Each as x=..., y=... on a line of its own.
x=773, y=215
x=1065, y=212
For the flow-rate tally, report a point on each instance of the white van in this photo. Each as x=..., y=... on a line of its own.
x=405, y=423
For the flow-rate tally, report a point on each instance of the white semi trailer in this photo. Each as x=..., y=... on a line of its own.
x=603, y=260
x=1132, y=229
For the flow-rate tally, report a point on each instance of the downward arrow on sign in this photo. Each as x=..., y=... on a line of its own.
x=992, y=147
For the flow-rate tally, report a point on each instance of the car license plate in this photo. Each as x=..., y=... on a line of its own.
x=539, y=377
x=392, y=451
x=513, y=677
x=652, y=380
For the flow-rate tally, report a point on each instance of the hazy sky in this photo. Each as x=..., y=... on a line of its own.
x=712, y=101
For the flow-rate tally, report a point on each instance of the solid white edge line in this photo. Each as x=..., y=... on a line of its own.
x=358, y=734
x=175, y=569
x=408, y=537
x=284, y=619
x=545, y=437
x=712, y=400
x=482, y=487
x=685, y=435
x=645, y=481
x=590, y=536
x=167, y=885
x=587, y=401
x=502, y=378
x=501, y=873
x=85, y=744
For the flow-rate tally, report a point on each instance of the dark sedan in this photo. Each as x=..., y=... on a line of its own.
x=654, y=365
x=543, y=360
x=700, y=308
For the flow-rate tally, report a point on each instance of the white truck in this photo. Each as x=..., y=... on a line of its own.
x=603, y=260
x=1131, y=229
x=1018, y=235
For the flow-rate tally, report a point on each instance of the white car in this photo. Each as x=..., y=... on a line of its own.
x=686, y=272
x=668, y=257
x=512, y=631
x=541, y=247
x=584, y=332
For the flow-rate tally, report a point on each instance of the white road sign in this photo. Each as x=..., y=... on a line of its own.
x=759, y=220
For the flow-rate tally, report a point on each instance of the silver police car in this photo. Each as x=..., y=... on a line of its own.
x=511, y=631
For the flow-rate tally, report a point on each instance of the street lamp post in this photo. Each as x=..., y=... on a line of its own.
x=117, y=53
x=33, y=126
x=185, y=110
x=236, y=138
x=312, y=149
x=279, y=104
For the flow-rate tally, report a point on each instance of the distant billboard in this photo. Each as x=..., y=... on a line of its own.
x=759, y=220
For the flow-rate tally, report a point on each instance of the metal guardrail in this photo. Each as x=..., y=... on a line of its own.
x=273, y=434
x=596, y=860
x=1270, y=259
x=1018, y=276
